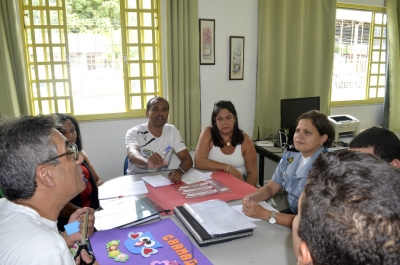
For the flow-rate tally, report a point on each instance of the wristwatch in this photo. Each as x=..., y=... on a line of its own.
x=272, y=218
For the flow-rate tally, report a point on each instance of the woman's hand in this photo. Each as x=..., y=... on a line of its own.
x=254, y=210
x=235, y=172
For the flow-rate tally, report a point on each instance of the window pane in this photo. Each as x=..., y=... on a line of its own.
x=147, y=20
x=131, y=3
x=381, y=92
x=136, y=102
x=150, y=85
x=149, y=69
x=373, y=81
x=135, y=86
x=147, y=36
x=148, y=53
x=132, y=19
x=146, y=4
x=374, y=68
x=135, y=70
x=133, y=53
x=372, y=92
x=132, y=36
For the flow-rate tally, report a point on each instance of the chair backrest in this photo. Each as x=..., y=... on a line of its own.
x=125, y=165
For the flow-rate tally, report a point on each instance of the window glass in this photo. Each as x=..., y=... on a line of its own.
x=359, y=55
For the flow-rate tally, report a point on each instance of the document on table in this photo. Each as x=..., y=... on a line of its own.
x=264, y=204
x=193, y=176
x=128, y=189
x=157, y=181
x=125, y=211
x=217, y=217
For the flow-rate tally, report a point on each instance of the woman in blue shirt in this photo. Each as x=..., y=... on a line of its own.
x=313, y=135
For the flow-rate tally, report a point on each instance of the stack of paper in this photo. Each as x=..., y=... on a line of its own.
x=218, y=218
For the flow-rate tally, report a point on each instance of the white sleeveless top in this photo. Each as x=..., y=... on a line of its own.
x=235, y=159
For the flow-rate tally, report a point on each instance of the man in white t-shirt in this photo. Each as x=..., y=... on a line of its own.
x=149, y=145
x=39, y=173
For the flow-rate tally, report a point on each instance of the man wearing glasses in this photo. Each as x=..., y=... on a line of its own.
x=149, y=145
x=39, y=174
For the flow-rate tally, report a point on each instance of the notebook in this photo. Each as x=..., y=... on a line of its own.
x=211, y=228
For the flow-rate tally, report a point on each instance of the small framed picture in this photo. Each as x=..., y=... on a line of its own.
x=236, y=58
x=207, y=41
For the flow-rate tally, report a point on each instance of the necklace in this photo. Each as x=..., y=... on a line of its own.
x=227, y=144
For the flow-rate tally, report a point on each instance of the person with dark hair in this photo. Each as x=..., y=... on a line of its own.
x=349, y=212
x=380, y=142
x=89, y=197
x=149, y=145
x=39, y=174
x=224, y=146
x=314, y=134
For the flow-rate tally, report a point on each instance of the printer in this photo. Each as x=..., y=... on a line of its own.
x=344, y=125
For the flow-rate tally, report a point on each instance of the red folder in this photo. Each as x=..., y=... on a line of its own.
x=167, y=197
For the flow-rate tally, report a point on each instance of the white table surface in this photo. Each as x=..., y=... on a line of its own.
x=270, y=244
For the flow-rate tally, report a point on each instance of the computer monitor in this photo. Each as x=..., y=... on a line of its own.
x=292, y=108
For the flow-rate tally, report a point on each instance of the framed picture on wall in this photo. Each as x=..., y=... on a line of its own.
x=236, y=58
x=207, y=41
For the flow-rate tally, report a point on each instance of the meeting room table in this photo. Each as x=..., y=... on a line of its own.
x=270, y=243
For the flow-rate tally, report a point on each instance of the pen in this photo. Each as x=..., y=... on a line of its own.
x=166, y=150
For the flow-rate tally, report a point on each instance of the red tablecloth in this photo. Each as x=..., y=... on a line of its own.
x=167, y=197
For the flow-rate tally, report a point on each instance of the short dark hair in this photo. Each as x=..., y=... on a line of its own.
x=385, y=143
x=154, y=99
x=237, y=136
x=63, y=117
x=321, y=123
x=350, y=210
x=25, y=143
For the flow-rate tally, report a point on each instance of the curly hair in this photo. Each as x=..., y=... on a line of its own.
x=350, y=211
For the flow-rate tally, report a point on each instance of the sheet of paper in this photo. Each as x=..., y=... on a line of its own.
x=193, y=176
x=264, y=204
x=128, y=189
x=217, y=217
x=157, y=181
x=118, y=203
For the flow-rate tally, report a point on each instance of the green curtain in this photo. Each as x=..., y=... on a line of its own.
x=393, y=35
x=13, y=81
x=182, y=34
x=295, y=56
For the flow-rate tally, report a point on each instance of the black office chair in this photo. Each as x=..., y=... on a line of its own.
x=126, y=165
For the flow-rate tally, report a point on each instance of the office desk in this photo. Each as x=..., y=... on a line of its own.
x=269, y=243
x=273, y=153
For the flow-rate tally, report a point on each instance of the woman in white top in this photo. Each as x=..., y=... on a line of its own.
x=223, y=146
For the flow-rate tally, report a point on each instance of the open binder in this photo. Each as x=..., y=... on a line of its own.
x=213, y=222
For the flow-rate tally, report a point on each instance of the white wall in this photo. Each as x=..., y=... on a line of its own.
x=232, y=18
x=104, y=141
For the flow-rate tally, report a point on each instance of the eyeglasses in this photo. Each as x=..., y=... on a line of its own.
x=73, y=150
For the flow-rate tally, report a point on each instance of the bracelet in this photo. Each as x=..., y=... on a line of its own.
x=227, y=169
x=181, y=169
